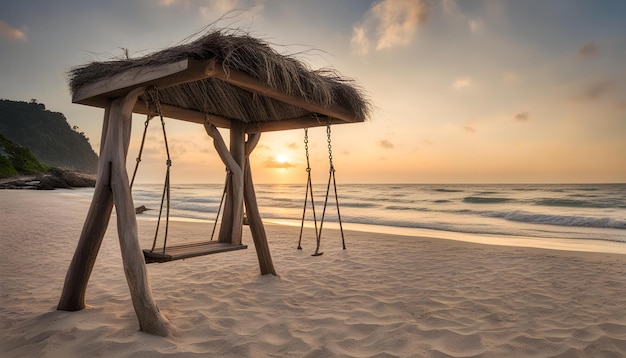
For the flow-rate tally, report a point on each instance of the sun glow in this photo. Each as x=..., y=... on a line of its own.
x=281, y=158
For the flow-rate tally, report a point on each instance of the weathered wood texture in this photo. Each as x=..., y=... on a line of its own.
x=166, y=75
x=185, y=251
x=94, y=228
x=266, y=265
x=115, y=184
x=230, y=229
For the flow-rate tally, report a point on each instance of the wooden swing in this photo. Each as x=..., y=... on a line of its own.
x=168, y=253
x=221, y=80
x=309, y=190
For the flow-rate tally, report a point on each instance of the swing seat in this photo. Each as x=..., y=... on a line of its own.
x=185, y=251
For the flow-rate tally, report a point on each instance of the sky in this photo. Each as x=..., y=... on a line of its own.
x=465, y=91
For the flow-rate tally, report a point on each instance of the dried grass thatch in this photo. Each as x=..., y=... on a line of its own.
x=244, y=53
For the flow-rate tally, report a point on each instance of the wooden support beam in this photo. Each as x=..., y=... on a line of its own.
x=162, y=76
x=113, y=188
x=94, y=228
x=266, y=265
x=230, y=228
x=289, y=124
x=150, y=318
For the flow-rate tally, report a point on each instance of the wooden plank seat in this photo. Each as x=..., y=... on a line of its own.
x=185, y=251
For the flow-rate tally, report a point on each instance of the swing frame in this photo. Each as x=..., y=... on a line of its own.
x=240, y=72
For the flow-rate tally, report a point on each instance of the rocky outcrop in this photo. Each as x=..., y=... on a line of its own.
x=51, y=179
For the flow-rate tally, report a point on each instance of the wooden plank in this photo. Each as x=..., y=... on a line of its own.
x=250, y=83
x=185, y=251
x=162, y=76
x=190, y=115
x=289, y=124
x=187, y=115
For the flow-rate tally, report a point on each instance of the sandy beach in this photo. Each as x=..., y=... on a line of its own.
x=385, y=296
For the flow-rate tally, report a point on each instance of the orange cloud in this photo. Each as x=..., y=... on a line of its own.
x=270, y=162
x=461, y=83
x=11, y=33
x=386, y=144
x=522, y=117
x=469, y=129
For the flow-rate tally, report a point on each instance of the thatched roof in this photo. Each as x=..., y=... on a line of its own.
x=227, y=76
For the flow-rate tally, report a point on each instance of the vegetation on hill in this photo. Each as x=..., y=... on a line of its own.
x=17, y=160
x=47, y=134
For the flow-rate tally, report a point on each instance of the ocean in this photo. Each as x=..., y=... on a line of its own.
x=556, y=211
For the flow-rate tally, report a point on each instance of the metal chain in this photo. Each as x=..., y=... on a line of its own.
x=306, y=149
x=330, y=149
x=309, y=190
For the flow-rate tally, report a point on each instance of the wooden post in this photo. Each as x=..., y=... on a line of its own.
x=94, y=228
x=230, y=228
x=115, y=183
x=238, y=152
x=254, y=217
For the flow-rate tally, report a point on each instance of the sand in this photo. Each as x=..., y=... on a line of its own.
x=385, y=296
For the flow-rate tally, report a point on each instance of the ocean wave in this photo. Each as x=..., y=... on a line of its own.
x=358, y=205
x=399, y=208
x=441, y=190
x=483, y=200
x=575, y=203
x=562, y=220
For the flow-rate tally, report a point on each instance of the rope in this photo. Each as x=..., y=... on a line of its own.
x=143, y=141
x=221, y=202
x=309, y=188
x=165, y=197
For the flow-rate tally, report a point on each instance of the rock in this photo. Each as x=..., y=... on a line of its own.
x=50, y=182
x=140, y=209
x=51, y=179
x=74, y=179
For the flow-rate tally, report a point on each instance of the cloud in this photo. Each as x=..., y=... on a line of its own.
x=389, y=24
x=270, y=162
x=292, y=145
x=386, y=144
x=597, y=89
x=461, y=83
x=522, y=117
x=213, y=9
x=359, y=42
x=11, y=33
x=589, y=49
x=469, y=129
x=510, y=78
x=452, y=11
x=476, y=25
